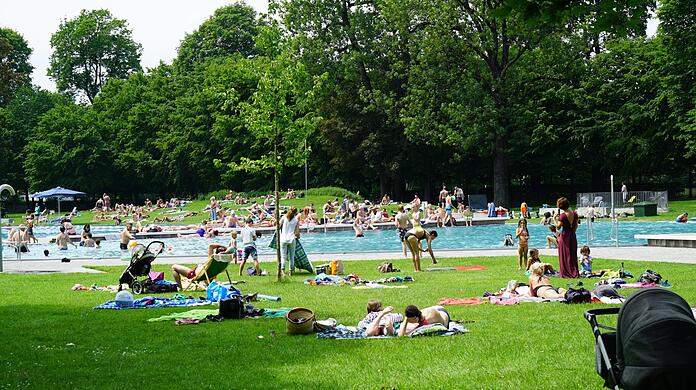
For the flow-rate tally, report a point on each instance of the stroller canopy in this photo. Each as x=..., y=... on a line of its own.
x=656, y=341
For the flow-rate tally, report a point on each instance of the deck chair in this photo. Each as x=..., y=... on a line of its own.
x=631, y=201
x=598, y=201
x=215, y=265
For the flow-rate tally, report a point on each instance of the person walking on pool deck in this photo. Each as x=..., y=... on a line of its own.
x=401, y=222
x=416, y=318
x=249, y=245
x=413, y=238
x=567, y=222
x=289, y=233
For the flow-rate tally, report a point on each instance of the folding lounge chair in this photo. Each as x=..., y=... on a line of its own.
x=631, y=201
x=215, y=265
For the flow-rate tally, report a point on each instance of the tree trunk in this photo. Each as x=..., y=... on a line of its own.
x=691, y=183
x=501, y=184
x=276, y=182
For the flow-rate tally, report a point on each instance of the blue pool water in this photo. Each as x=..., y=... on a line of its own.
x=477, y=237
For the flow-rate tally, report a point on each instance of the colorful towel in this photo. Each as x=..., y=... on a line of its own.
x=153, y=302
x=461, y=301
x=342, y=332
x=301, y=259
x=353, y=280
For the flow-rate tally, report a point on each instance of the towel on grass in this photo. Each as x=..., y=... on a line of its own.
x=301, y=259
x=342, y=332
x=461, y=301
x=200, y=314
x=153, y=302
x=471, y=268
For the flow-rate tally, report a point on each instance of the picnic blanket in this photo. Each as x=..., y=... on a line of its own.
x=301, y=259
x=200, y=314
x=354, y=280
x=154, y=302
x=342, y=332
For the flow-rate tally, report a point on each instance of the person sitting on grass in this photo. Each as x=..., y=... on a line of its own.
x=540, y=286
x=179, y=270
x=416, y=318
x=378, y=321
x=413, y=239
x=585, y=262
x=534, y=258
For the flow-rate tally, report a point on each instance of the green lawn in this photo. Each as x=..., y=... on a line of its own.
x=53, y=338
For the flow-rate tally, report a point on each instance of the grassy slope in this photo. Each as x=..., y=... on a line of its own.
x=523, y=346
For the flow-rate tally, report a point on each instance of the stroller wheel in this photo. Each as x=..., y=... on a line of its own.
x=137, y=287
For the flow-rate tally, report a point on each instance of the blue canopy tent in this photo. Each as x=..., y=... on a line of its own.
x=59, y=193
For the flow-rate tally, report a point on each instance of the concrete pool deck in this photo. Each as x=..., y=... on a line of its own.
x=629, y=253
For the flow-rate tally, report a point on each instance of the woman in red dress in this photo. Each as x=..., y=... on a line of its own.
x=567, y=223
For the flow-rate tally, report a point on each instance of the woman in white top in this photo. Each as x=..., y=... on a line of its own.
x=289, y=232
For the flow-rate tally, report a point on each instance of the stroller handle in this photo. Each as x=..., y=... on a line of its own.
x=155, y=242
x=591, y=314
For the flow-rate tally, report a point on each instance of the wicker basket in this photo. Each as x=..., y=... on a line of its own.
x=299, y=321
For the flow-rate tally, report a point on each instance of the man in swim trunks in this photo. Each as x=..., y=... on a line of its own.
x=63, y=239
x=413, y=238
x=401, y=222
x=126, y=236
x=416, y=318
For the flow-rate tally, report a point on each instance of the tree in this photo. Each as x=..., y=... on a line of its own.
x=15, y=69
x=230, y=31
x=90, y=49
x=280, y=117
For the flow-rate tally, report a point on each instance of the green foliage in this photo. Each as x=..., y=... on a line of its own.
x=15, y=69
x=230, y=31
x=337, y=192
x=90, y=49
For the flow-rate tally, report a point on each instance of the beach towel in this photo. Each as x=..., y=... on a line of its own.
x=153, y=303
x=301, y=259
x=471, y=268
x=375, y=285
x=461, y=301
x=342, y=332
x=200, y=314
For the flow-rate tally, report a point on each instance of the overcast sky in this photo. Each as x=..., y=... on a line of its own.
x=158, y=25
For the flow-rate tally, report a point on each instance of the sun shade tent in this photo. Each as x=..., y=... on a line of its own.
x=59, y=193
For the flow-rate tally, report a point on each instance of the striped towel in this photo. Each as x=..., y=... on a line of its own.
x=301, y=259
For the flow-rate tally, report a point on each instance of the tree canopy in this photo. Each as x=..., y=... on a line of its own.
x=15, y=69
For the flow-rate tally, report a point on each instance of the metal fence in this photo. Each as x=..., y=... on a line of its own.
x=603, y=199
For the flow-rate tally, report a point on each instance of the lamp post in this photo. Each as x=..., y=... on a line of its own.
x=11, y=190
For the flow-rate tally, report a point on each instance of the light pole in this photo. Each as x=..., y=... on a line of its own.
x=11, y=190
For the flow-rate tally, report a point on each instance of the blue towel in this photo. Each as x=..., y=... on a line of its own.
x=154, y=302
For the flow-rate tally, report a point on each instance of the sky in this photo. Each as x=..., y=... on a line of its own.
x=158, y=25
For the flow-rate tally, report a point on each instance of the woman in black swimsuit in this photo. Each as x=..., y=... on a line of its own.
x=540, y=286
x=413, y=238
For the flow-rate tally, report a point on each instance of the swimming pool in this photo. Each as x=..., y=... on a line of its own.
x=476, y=237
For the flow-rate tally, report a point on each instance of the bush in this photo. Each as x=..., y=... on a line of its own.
x=332, y=191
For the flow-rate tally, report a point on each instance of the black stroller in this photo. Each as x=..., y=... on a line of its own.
x=653, y=345
x=140, y=265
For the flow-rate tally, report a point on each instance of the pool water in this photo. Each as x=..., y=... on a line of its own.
x=476, y=237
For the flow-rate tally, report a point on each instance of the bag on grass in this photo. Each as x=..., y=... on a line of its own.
x=232, y=308
x=581, y=295
x=650, y=276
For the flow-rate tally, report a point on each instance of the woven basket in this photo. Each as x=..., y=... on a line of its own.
x=299, y=321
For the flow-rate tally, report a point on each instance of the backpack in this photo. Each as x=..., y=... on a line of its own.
x=650, y=276
x=581, y=295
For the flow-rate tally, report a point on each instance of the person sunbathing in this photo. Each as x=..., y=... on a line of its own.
x=416, y=318
x=540, y=285
x=378, y=321
x=179, y=270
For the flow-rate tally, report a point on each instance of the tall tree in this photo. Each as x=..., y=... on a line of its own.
x=90, y=49
x=15, y=69
x=231, y=30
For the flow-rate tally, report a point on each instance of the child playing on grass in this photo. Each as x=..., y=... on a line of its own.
x=585, y=261
x=522, y=235
x=232, y=247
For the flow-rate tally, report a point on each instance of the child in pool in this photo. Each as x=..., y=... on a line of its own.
x=508, y=241
x=585, y=261
x=522, y=235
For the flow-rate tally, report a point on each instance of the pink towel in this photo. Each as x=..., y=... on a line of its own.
x=509, y=301
x=460, y=301
x=471, y=268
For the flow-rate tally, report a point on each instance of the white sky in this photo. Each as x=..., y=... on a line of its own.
x=158, y=25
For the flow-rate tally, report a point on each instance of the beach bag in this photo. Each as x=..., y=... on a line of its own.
x=232, y=308
x=650, y=276
x=581, y=295
x=216, y=292
x=299, y=321
x=155, y=276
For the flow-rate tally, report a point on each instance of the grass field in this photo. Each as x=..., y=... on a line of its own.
x=52, y=338
x=676, y=208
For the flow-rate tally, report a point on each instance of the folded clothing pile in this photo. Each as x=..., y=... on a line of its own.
x=352, y=279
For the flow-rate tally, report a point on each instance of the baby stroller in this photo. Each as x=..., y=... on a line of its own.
x=653, y=345
x=140, y=264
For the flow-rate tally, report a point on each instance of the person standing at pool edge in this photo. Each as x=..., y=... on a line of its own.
x=624, y=192
x=567, y=223
x=401, y=222
x=289, y=232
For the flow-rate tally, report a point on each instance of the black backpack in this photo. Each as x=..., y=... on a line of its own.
x=581, y=295
x=232, y=308
x=650, y=276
